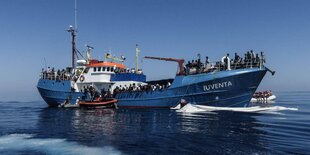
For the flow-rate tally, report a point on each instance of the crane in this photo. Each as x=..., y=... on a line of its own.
x=179, y=61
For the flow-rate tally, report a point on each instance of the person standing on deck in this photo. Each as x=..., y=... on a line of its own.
x=226, y=61
x=252, y=58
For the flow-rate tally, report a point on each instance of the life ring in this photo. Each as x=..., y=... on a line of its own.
x=82, y=78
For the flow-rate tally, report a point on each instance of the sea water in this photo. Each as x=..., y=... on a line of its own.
x=282, y=127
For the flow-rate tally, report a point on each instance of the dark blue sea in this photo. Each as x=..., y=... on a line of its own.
x=34, y=128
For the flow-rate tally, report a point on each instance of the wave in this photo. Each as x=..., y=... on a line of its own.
x=190, y=108
x=26, y=142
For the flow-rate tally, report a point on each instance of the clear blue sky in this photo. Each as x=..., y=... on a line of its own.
x=31, y=30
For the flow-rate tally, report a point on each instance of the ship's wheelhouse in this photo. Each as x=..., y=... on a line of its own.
x=99, y=71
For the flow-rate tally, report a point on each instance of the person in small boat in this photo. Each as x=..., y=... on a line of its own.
x=270, y=93
x=102, y=92
x=109, y=94
x=99, y=98
x=262, y=96
x=116, y=91
x=256, y=95
x=92, y=93
x=266, y=95
x=77, y=100
x=65, y=102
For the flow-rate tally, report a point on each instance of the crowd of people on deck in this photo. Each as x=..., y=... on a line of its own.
x=132, y=70
x=262, y=95
x=250, y=59
x=95, y=95
x=139, y=88
x=51, y=74
x=99, y=96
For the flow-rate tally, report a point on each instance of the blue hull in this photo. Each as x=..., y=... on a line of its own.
x=55, y=93
x=224, y=89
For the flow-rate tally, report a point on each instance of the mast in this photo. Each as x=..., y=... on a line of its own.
x=137, y=57
x=72, y=31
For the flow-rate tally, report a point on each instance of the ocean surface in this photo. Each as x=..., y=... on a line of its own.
x=282, y=127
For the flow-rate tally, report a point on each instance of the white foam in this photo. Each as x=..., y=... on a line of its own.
x=190, y=108
x=20, y=142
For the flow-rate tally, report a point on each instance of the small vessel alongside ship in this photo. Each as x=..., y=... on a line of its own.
x=264, y=96
x=224, y=84
x=107, y=103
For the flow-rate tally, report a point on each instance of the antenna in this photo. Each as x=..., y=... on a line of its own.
x=137, y=57
x=75, y=15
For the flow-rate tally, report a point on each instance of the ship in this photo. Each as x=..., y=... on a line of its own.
x=223, y=84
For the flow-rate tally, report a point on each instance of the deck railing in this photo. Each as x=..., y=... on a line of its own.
x=220, y=66
x=54, y=76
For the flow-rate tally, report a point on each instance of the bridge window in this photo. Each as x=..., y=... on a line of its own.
x=99, y=69
x=94, y=69
x=108, y=69
x=103, y=69
x=112, y=69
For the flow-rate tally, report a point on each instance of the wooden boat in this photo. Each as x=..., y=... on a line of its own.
x=106, y=103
